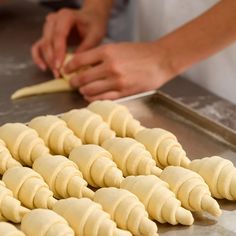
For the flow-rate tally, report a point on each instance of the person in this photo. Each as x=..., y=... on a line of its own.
x=125, y=68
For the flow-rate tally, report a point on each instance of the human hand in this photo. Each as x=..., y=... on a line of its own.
x=89, y=23
x=120, y=70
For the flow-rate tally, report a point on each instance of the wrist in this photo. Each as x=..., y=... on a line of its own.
x=102, y=8
x=165, y=60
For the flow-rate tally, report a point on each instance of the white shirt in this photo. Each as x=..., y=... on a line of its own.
x=152, y=19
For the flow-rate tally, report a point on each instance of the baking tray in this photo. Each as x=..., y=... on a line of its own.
x=200, y=137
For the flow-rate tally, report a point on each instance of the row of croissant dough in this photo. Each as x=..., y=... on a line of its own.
x=141, y=175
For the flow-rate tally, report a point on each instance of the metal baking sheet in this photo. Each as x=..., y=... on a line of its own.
x=200, y=137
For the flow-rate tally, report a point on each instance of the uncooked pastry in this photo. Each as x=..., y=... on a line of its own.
x=23, y=142
x=29, y=187
x=10, y=208
x=6, y=160
x=7, y=229
x=87, y=218
x=97, y=166
x=164, y=147
x=51, y=86
x=44, y=222
x=191, y=189
x=88, y=126
x=126, y=210
x=131, y=157
x=160, y=202
x=55, y=133
x=219, y=174
x=62, y=177
x=117, y=117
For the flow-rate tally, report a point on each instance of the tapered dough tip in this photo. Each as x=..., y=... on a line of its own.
x=156, y=171
x=119, y=232
x=185, y=162
x=211, y=206
x=148, y=227
x=23, y=211
x=51, y=202
x=184, y=216
x=16, y=95
x=86, y=192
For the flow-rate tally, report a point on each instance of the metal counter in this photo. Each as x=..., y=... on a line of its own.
x=20, y=26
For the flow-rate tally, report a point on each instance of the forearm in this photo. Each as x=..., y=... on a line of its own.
x=200, y=38
x=104, y=6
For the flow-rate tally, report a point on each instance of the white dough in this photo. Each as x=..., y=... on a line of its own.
x=126, y=210
x=190, y=189
x=7, y=229
x=62, y=176
x=117, y=117
x=28, y=187
x=88, y=126
x=131, y=157
x=51, y=86
x=6, y=159
x=44, y=222
x=55, y=133
x=159, y=201
x=23, y=142
x=219, y=174
x=97, y=166
x=87, y=218
x=10, y=208
x=164, y=147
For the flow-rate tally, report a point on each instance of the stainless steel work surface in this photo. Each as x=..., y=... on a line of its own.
x=198, y=143
x=20, y=26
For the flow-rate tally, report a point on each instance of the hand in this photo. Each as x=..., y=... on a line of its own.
x=119, y=70
x=50, y=50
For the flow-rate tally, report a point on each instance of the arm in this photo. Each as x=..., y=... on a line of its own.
x=202, y=37
x=128, y=68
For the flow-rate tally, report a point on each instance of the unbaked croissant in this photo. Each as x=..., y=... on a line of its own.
x=7, y=229
x=97, y=166
x=164, y=147
x=126, y=210
x=131, y=157
x=28, y=187
x=219, y=174
x=23, y=142
x=6, y=160
x=88, y=126
x=55, y=133
x=10, y=208
x=159, y=201
x=62, y=177
x=87, y=218
x=190, y=189
x=117, y=117
x=45, y=222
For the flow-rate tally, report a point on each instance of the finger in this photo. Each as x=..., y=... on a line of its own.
x=47, y=53
x=98, y=87
x=111, y=95
x=91, y=74
x=47, y=45
x=93, y=56
x=91, y=40
x=62, y=30
x=37, y=57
